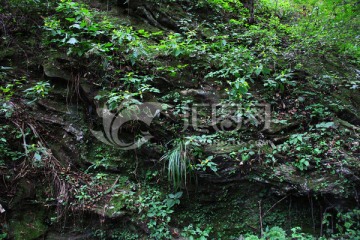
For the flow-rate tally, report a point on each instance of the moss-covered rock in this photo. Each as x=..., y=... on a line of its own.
x=28, y=224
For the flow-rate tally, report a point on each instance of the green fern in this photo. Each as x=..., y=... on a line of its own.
x=178, y=162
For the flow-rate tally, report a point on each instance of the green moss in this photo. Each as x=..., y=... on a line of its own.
x=28, y=225
x=116, y=205
x=237, y=212
x=108, y=157
x=6, y=53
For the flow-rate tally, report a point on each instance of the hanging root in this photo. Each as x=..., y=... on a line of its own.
x=69, y=185
x=53, y=167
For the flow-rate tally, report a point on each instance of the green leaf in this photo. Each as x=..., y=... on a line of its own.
x=259, y=70
x=98, y=97
x=325, y=125
x=178, y=194
x=177, y=52
x=72, y=41
x=37, y=156
x=266, y=71
x=70, y=19
x=76, y=25
x=5, y=68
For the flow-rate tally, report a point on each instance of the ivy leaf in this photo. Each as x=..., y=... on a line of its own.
x=72, y=41
x=76, y=25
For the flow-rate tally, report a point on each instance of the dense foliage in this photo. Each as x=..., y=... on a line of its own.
x=60, y=61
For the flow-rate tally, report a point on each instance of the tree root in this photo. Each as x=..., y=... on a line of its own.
x=151, y=15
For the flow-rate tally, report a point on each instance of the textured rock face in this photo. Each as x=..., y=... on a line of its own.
x=53, y=69
x=97, y=179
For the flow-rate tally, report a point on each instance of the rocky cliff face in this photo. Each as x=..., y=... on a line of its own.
x=290, y=157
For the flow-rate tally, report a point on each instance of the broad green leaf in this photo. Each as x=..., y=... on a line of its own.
x=72, y=41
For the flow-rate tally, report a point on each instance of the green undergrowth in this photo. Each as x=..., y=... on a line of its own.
x=299, y=56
